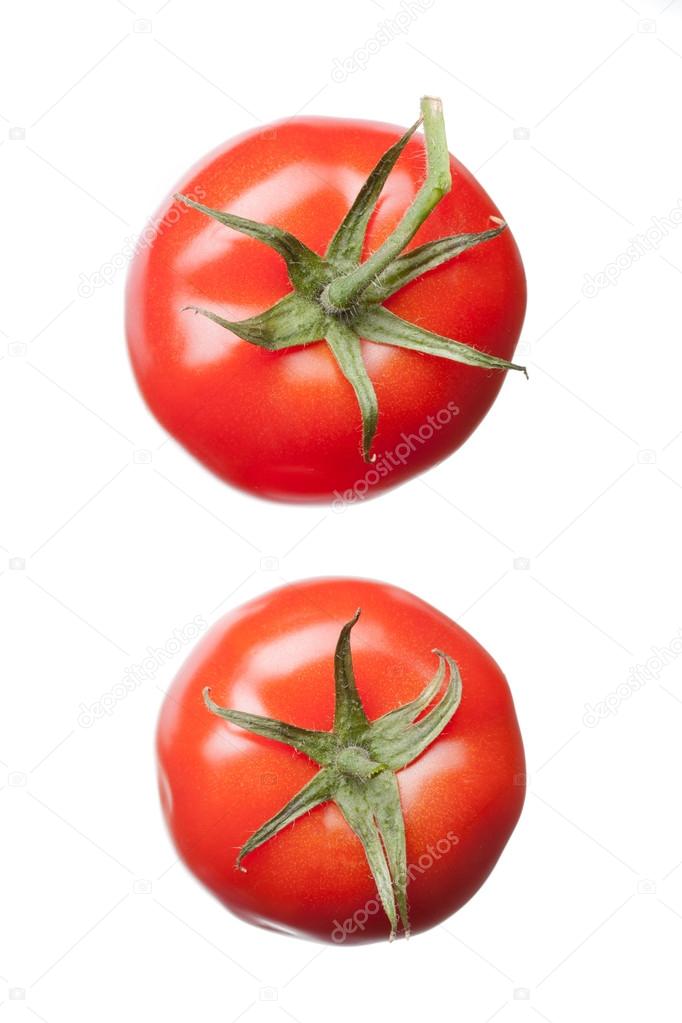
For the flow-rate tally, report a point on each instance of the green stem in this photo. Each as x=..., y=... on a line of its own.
x=344, y=291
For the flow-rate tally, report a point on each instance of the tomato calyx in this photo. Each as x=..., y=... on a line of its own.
x=338, y=299
x=358, y=762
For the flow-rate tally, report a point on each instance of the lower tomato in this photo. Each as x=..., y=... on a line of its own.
x=221, y=780
x=285, y=424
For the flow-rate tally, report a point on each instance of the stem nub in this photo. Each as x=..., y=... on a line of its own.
x=344, y=291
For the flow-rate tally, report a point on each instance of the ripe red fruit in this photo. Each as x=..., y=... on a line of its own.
x=365, y=773
x=416, y=287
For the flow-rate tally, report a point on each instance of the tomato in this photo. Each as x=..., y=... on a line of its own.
x=284, y=424
x=274, y=660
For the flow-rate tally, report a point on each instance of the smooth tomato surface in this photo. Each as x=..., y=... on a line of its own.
x=274, y=656
x=286, y=424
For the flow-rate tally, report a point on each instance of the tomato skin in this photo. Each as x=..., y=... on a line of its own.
x=285, y=425
x=274, y=656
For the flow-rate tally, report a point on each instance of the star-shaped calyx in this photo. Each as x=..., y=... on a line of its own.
x=339, y=299
x=358, y=762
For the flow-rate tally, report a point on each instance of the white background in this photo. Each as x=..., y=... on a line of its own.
x=112, y=537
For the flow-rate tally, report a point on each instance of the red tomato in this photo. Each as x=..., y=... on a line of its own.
x=285, y=424
x=460, y=798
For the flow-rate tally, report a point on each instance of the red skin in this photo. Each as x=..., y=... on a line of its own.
x=286, y=425
x=274, y=657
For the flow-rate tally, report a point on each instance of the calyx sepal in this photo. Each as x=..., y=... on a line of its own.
x=338, y=298
x=358, y=761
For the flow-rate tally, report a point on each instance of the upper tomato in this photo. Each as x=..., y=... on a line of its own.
x=283, y=414
x=365, y=772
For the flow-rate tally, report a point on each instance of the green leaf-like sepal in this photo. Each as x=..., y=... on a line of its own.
x=347, y=349
x=385, y=328
x=295, y=320
x=318, y=790
x=383, y=796
x=345, y=248
x=319, y=746
x=307, y=271
x=354, y=799
x=426, y=257
x=350, y=720
x=397, y=744
x=393, y=724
